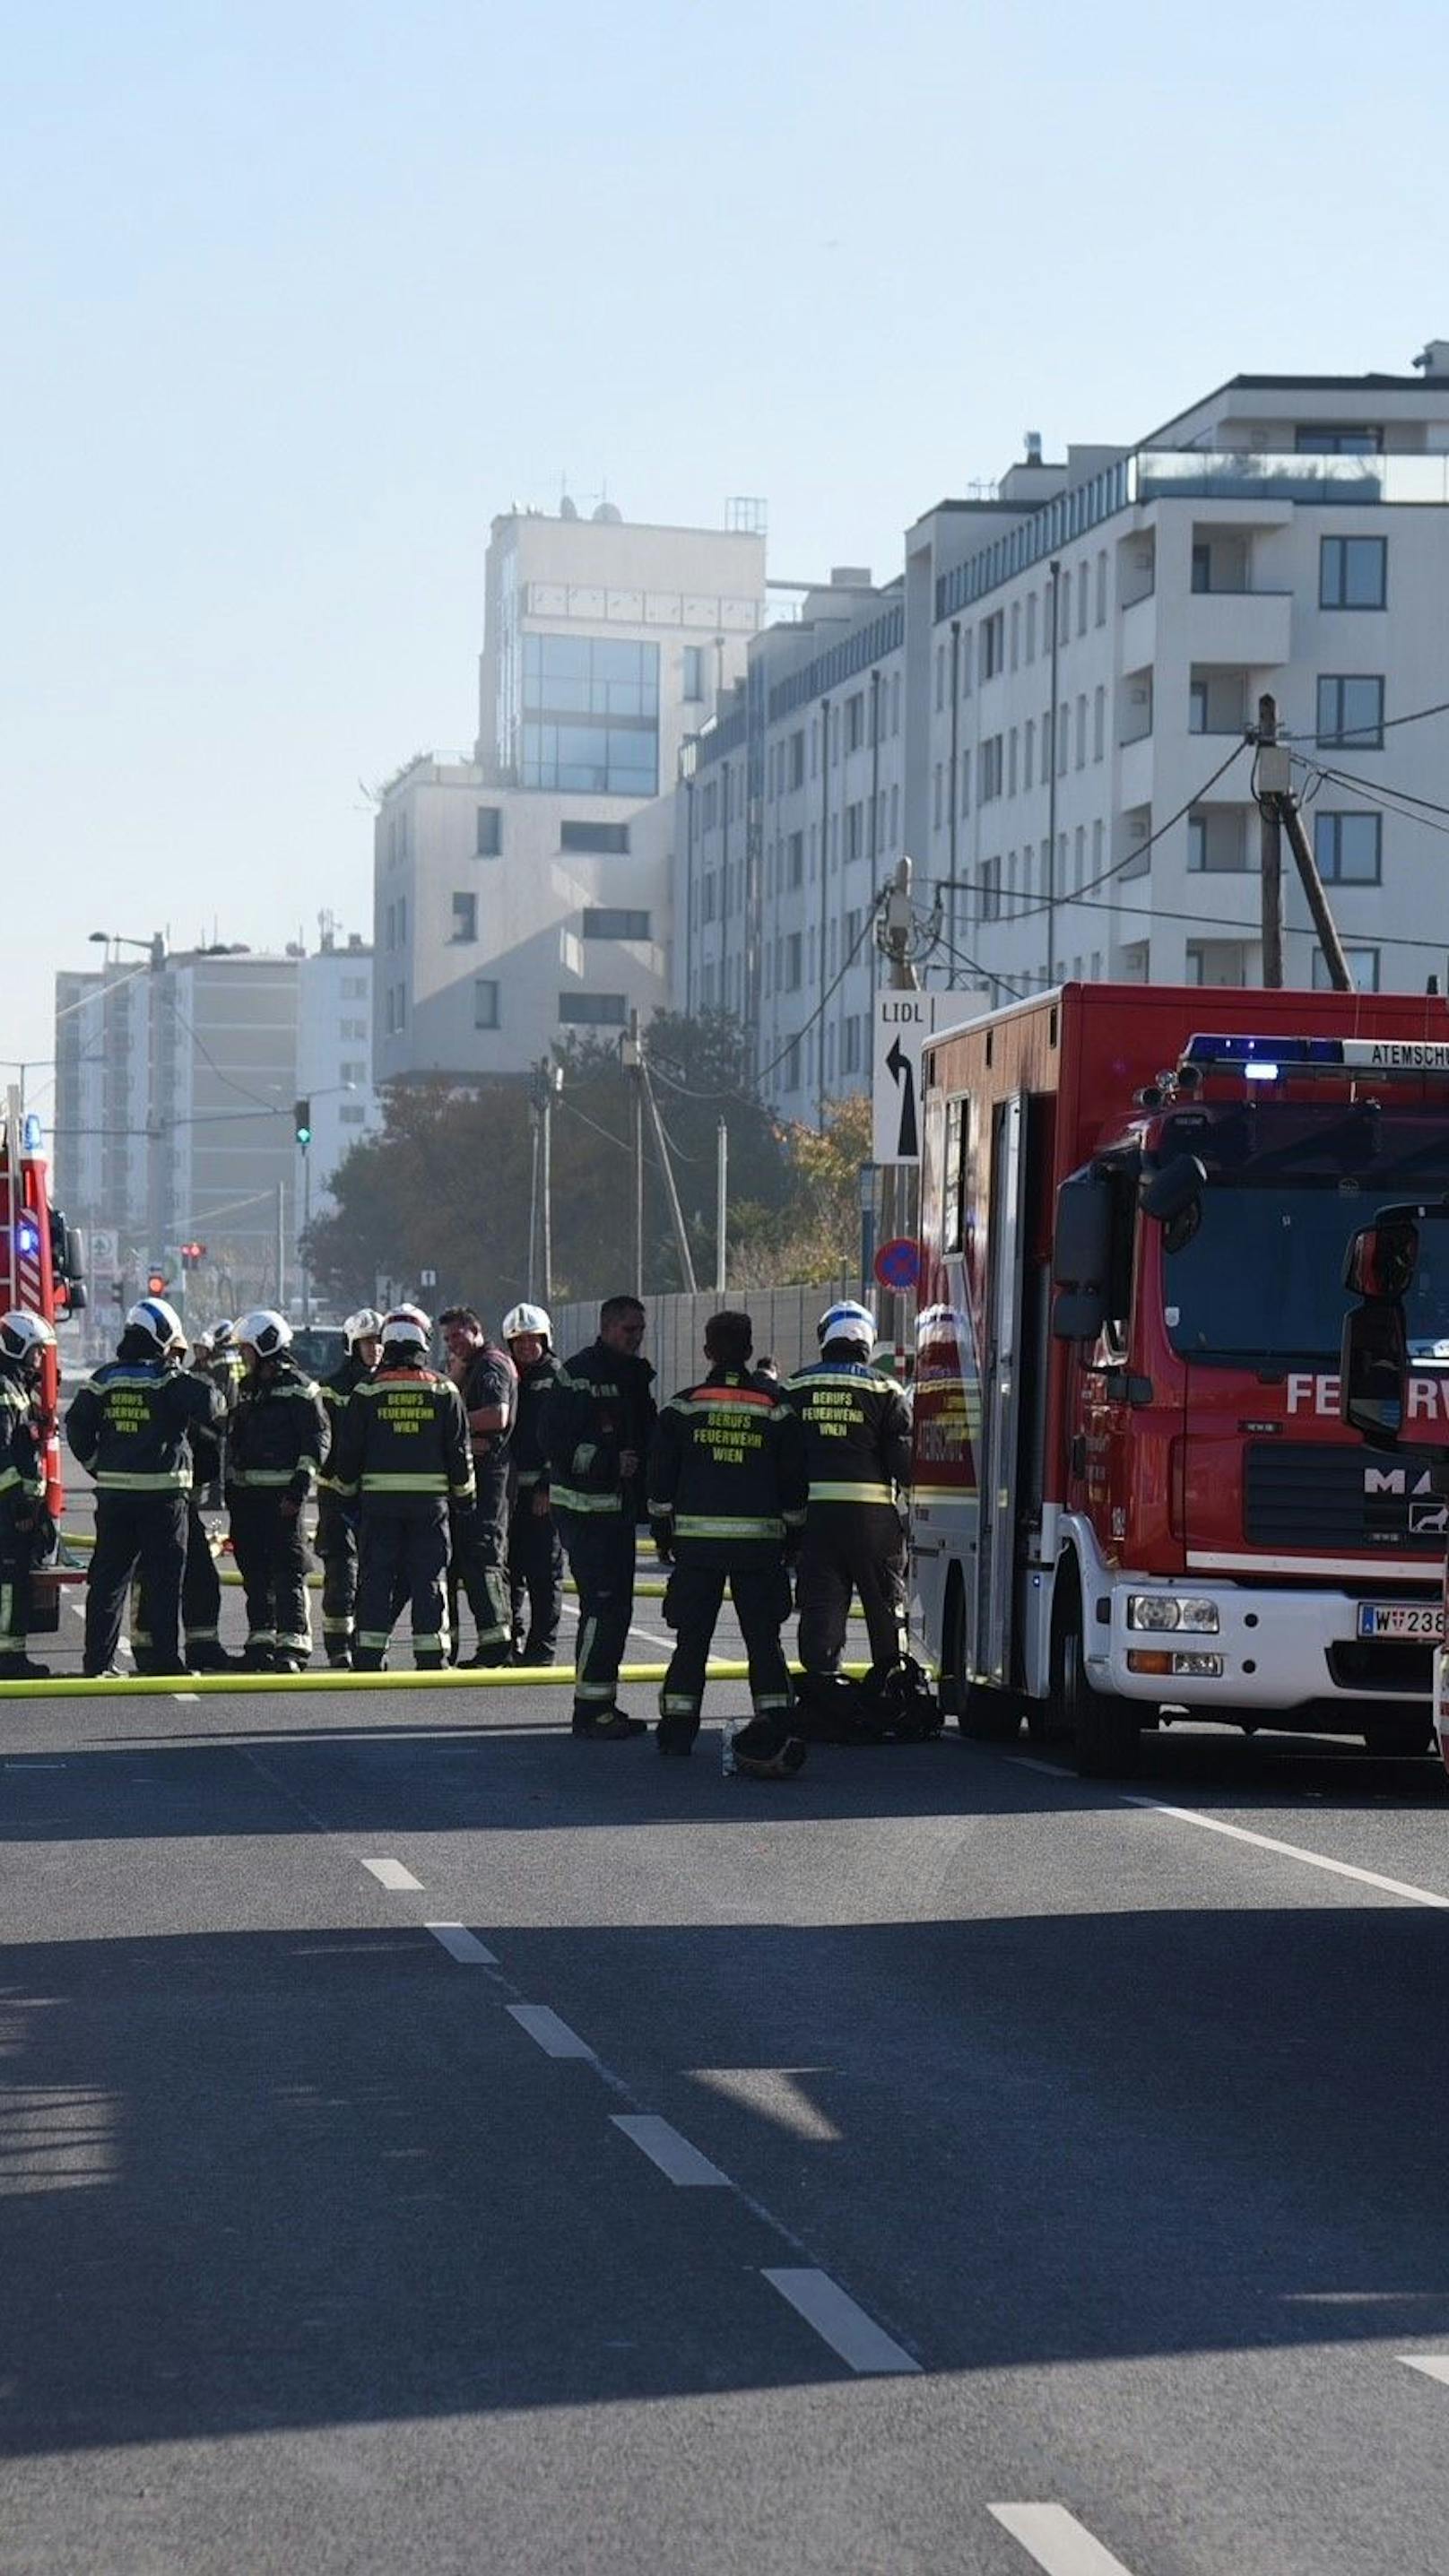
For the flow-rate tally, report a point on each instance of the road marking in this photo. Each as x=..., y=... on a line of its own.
x=553, y=2036
x=1032, y=1762
x=458, y=1941
x=1056, y=2540
x=391, y=1873
x=839, y=2322
x=186, y=1695
x=1434, y=2365
x=673, y=2154
x=1289, y=1851
x=652, y=1634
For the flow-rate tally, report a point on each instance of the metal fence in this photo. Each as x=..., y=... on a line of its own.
x=784, y=1321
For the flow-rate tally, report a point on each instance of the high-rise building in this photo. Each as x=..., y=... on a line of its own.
x=511, y=900
x=334, y=1062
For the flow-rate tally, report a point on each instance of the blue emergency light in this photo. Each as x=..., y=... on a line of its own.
x=32, y=1134
x=1261, y=1059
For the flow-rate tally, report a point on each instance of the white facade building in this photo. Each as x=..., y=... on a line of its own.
x=511, y=902
x=334, y=1064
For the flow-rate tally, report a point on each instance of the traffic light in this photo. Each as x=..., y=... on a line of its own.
x=302, y=1121
x=192, y=1254
x=118, y=1292
x=157, y=1283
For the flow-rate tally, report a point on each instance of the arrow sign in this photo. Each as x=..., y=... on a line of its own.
x=903, y=1074
x=903, y=1022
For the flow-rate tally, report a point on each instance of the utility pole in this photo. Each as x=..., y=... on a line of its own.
x=898, y=1181
x=721, y=1202
x=1272, y=766
x=1281, y=812
x=1050, y=888
x=281, y=1247
x=632, y=1057
x=661, y=1147
x=552, y=1078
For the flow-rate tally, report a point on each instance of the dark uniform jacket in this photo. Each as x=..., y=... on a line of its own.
x=728, y=1480
x=279, y=1433
x=857, y=1431
x=130, y=1425
x=404, y=1442
x=22, y=1463
x=490, y=1378
x=601, y=1404
x=536, y=1384
x=337, y=1392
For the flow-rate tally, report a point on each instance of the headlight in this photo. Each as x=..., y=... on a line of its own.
x=1154, y=1613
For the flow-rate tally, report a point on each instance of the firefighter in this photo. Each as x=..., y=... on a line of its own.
x=535, y=1553
x=277, y=1449
x=597, y=1429
x=130, y=1425
x=403, y=1451
x=225, y=1369
x=728, y=1485
x=336, y=1515
x=201, y=1584
x=858, y=1441
x=488, y=1384
x=24, y=1341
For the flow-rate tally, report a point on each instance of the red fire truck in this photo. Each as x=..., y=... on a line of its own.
x=40, y=1271
x=1134, y=1498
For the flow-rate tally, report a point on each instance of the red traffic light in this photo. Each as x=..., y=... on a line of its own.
x=191, y=1253
x=157, y=1284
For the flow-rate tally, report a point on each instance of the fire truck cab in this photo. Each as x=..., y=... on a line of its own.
x=1134, y=1498
x=41, y=1271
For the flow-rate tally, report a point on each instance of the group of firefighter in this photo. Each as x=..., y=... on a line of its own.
x=473, y=1481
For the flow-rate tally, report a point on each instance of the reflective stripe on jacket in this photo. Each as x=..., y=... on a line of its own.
x=279, y=1434
x=405, y=1433
x=130, y=1423
x=727, y=1471
x=857, y=1431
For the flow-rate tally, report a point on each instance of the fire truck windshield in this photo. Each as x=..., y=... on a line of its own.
x=1261, y=1281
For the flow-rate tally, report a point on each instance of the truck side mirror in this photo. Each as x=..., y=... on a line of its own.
x=1381, y=1260
x=1374, y=1368
x=1081, y=1250
x=1172, y=1197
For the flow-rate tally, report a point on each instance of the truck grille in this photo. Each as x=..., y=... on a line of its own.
x=1298, y=1494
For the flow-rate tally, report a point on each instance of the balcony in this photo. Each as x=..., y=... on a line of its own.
x=1137, y=643
x=1167, y=474
x=1134, y=771
x=1251, y=629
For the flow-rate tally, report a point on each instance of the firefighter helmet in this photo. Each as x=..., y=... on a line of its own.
x=24, y=1337
x=847, y=1322
x=527, y=1319
x=364, y=1326
x=159, y=1322
x=223, y=1335
x=406, y=1330
x=762, y=1753
x=264, y=1331
x=422, y=1325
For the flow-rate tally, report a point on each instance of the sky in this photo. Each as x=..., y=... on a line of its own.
x=294, y=298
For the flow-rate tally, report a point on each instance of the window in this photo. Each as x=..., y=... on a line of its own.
x=965, y=786
x=1336, y=438
x=1363, y=966
x=1028, y=754
x=591, y=715
x=1348, y=848
x=402, y=921
x=1099, y=724
x=990, y=769
x=353, y=988
x=790, y=1069
x=485, y=1002
x=1081, y=599
x=1015, y=633
x=991, y=890
x=1062, y=739
x=1081, y=733
x=610, y=840
x=618, y=922
x=1351, y=713
x=1031, y=627
x=488, y=843
x=352, y=1028
x=794, y=954
x=854, y=833
x=993, y=645
x=797, y=759
x=850, y=1048
x=795, y=859
x=1352, y=572
x=895, y=702
x=692, y=677
x=465, y=920
x=1202, y=568
x=350, y=1115
x=593, y=1010
x=1197, y=706
x=390, y=929
x=352, y=1073
x=896, y=815
x=1064, y=608
x=709, y=898
x=1102, y=587
x=1011, y=743
x=940, y=677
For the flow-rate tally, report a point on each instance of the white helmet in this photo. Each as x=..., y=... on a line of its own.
x=23, y=1336
x=364, y=1326
x=264, y=1331
x=223, y=1335
x=159, y=1322
x=422, y=1325
x=847, y=1322
x=406, y=1330
x=527, y=1319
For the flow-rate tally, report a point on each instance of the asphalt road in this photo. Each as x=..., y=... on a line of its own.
x=429, y=2142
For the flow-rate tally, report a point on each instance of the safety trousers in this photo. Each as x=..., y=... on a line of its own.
x=535, y=1579
x=145, y=1534
x=478, y=1569
x=851, y=1547
x=200, y=1600
x=271, y=1556
x=402, y=1552
x=601, y=1551
x=337, y=1547
x=17, y=1550
x=761, y=1595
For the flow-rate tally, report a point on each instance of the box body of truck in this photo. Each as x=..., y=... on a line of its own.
x=1133, y=1495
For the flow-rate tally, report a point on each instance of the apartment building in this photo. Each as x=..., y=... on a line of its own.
x=513, y=901
x=334, y=1062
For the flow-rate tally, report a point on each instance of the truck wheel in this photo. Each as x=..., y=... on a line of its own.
x=1391, y=1736
x=1107, y=1731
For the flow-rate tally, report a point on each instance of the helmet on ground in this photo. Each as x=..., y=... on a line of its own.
x=527, y=1319
x=223, y=1335
x=159, y=1322
x=762, y=1753
x=264, y=1331
x=364, y=1326
x=422, y=1324
x=23, y=1336
x=407, y=1330
x=847, y=1322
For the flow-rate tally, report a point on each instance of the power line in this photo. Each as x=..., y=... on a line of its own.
x=827, y=997
x=959, y=957
x=1215, y=920
x=1136, y=855
x=1376, y=789
x=1369, y=734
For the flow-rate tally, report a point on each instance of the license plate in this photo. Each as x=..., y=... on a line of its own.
x=1423, y=1619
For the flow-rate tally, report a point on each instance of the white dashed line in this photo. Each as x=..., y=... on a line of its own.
x=1434, y=2365
x=839, y=2322
x=553, y=2036
x=459, y=1942
x=673, y=2154
x=391, y=1873
x=180, y=1695
x=1288, y=1851
x=1056, y=2540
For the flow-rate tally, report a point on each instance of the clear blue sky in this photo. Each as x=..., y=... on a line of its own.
x=294, y=298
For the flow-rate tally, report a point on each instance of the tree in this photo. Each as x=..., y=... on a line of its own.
x=820, y=1227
